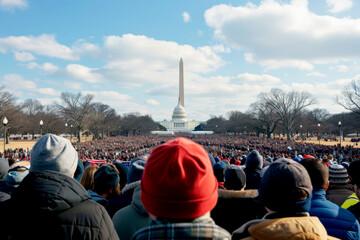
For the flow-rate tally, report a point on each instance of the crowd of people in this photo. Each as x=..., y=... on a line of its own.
x=180, y=187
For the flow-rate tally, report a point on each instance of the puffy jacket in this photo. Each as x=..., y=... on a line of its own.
x=338, y=222
x=51, y=205
x=286, y=228
x=131, y=218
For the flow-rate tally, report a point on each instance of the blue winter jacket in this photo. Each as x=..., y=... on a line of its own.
x=338, y=222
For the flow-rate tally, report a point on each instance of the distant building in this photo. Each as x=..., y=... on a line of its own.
x=179, y=122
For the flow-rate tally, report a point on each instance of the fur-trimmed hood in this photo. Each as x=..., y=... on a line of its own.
x=252, y=193
x=130, y=187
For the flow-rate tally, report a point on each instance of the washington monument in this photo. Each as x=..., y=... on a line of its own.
x=181, y=83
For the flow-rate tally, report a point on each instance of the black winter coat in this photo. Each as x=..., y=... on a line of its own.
x=234, y=208
x=337, y=193
x=50, y=205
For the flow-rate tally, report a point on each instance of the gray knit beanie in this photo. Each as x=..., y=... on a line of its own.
x=54, y=153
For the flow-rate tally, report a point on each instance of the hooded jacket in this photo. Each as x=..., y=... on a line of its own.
x=118, y=202
x=131, y=218
x=52, y=205
x=253, y=165
x=235, y=208
x=289, y=228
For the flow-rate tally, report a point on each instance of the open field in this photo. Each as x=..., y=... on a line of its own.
x=13, y=144
x=30, y=143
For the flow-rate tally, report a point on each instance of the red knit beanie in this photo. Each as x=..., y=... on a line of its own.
x=178, y=181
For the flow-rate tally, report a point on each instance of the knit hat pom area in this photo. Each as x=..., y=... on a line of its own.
x=178, y=181
x=55, y=153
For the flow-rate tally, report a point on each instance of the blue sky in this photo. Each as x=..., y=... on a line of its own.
x=126, y=53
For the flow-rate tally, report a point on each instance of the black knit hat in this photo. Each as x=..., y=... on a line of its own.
x=123, y=172
x=106, y=178
x=136, y=170
x=235, y=178
x=254, y=160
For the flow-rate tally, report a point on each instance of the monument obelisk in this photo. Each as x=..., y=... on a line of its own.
x=181, y=83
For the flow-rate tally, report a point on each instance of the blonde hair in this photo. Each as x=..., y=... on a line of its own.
x=87, y=179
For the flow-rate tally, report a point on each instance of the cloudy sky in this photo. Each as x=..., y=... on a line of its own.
x=127, y=53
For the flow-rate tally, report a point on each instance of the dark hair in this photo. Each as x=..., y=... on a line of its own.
x=353, y=171
x=318, y=172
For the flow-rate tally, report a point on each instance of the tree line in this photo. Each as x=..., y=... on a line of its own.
x=287, y=113
x=274, y=112
x=78, y=114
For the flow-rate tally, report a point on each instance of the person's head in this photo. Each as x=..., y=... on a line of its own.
x=318, y=172
x=354, y=170
x=54, y=153
x=234, y=178
x=178, y=181
x=219, y=169
x=286, y=187
x=87, y=179
x=107, y=181
x=254, y=160
x=123, y=172
x=338, y=174
x=136, y=170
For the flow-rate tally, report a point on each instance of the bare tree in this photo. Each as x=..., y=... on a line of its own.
x=101, y=119
x=237, y=121
x=33, y=111
x=287, y=105
x=318, y=115
x=10, y=110
x=136, y=124
x=75, y=109
x=265, y=117
x=217, y=124
x=350, y=97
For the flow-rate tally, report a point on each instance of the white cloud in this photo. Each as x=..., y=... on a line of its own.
x=106, y=96
x=152, y=102
x=86, y=74
x=15, y=81
x=342, y=68
x=316, y=74
x=141, y=52
x=23, y=56
x=73, y=85
x=285, y=34
x=339, y=5
x=47, y=67
x=47, y=91
x=10, y=5
x=255, y=78
x=44, y=44
x=120, y=102
x=16, y=84
x=186, y=17
x=220, y=49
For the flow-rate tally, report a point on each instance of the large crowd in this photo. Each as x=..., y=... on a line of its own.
x=180, y=187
